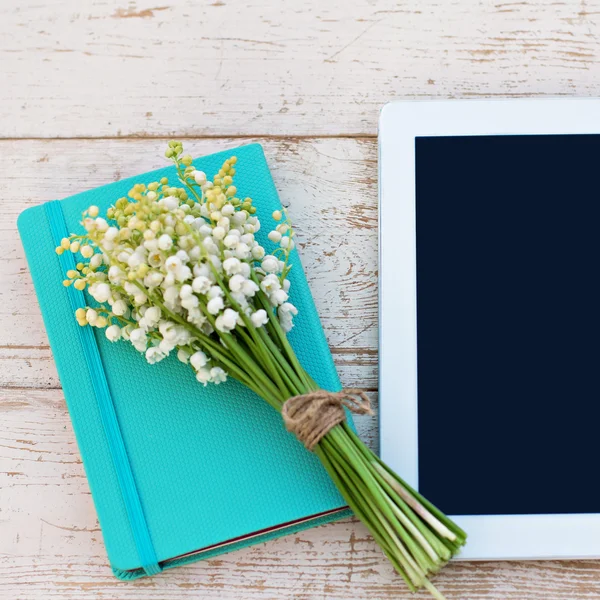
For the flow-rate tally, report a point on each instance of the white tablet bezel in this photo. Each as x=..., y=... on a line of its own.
x=490, y=536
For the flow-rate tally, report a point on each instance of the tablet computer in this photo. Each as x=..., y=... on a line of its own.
x=490, y=318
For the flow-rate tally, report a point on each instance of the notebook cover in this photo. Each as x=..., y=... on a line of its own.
x=213, y=463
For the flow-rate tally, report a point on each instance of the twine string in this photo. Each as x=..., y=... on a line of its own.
x=311, y=416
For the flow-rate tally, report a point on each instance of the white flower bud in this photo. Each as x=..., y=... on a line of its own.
x=203, y=375
x=201, y=284
x=199, y=177
x=183, y=274
x=245, y=270
x=96, y=261
x=115, y=274
x=227, y=321
x=113, y=333
x=134, y=261
x=275, y=236
x=91, y=316
x=258, y=252
x=154, y=355
x=249, y=288
x=286, y=312
x=171, y=296
x=198, y=360
x=231, y=240
x=170, y=202
x=119, y=308
x=230, y=318
x=236, y=283
x=186, y=291
x=215, y=292
x=218, y=233
x=190, y=302
x=173, y=264
x=87, y=251
x=270, y=284
x=153, y=279
x=111, y=234
x=152, y=316
x=215, y=305
x=165, y=242
x=140, y=298
x=138, y=338
x=259, y=318
x=232, y=266
x=228, y=210
x=270, y=264
x=217, y=375
x=239, y=218
x=101, y=292
x=183, y=356
x=101, y=224
x=278, y=297
x=242, y=251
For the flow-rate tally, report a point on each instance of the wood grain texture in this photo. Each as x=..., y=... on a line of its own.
x=307, y=80
x=169, y=67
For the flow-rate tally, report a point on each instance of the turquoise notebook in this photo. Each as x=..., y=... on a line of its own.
x=213, y=467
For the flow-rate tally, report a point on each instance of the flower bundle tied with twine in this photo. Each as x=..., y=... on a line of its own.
x=178, y=269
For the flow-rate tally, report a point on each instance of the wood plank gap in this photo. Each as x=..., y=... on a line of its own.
x=136, y=136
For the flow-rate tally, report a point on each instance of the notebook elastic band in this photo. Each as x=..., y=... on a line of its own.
x=139, y=527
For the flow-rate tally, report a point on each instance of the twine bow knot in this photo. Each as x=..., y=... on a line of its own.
x=310, y=416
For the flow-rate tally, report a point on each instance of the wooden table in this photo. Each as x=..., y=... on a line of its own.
x=91, y=90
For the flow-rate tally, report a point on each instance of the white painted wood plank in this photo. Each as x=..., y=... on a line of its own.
x=116, y=68
x=33, y=367
x=51, y=546
x=329, y=185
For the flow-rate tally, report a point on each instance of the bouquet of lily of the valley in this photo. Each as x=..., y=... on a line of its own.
x=177, y=269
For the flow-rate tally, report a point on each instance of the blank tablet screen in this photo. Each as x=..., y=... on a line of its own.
x=508, y=305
